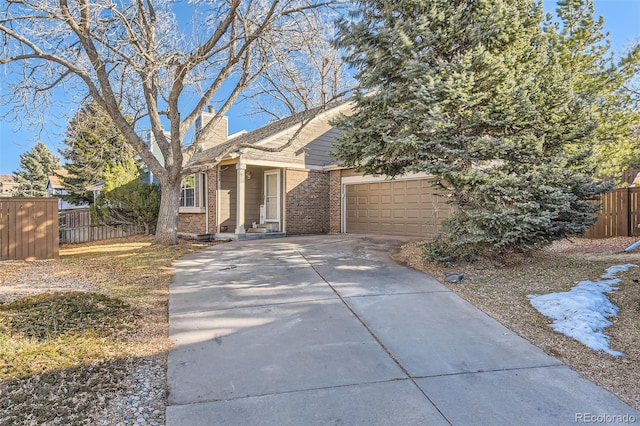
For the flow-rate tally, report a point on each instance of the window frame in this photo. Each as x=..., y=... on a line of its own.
x=197, y=197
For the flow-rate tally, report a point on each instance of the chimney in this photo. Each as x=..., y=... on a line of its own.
x=218, y=134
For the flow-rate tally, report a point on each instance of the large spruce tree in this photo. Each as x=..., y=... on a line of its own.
x=36, y=166
x=601, y=83
x=470, y=92
x=93, y=143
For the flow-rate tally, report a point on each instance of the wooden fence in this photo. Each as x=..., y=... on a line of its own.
x=76, y=227
x=629, y=175
x=619, y=216
x=28, y=228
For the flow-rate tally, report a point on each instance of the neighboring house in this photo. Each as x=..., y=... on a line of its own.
x=55, y=189
x=95, y=189
x=301, y=190
x=147, y=175
x=7, y=185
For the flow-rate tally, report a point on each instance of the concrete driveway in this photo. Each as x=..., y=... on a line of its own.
x=328, y=330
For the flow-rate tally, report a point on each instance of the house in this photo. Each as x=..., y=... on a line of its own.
x=55, y=189
x=301, y=189
x=7, y=185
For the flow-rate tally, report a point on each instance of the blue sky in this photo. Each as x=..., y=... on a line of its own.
x=622, y=21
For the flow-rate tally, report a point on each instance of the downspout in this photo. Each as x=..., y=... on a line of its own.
x=343, y=207
x=218, y=188
x=283, y=200
x=206, y=203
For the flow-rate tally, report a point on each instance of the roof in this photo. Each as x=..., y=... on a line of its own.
x=257, y=136
x=6, y=178
x=55, y=180
x=96, y=186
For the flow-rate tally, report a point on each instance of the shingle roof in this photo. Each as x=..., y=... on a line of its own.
x=56, y=178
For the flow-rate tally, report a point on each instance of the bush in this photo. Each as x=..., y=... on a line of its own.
x=134, y=203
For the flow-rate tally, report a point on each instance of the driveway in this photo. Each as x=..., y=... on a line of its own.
x=328, y=330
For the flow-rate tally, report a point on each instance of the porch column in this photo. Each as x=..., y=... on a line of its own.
x=240, y=168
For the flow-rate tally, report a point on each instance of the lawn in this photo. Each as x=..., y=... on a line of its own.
x=73, y=331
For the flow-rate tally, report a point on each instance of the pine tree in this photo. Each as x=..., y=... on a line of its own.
x=471, y=93
x=36, y=166
x=94, y=143
x=601, y=84
x=125, y=200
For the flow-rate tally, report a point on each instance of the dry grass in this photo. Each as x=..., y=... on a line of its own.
x=71, y=330
x=500, y=289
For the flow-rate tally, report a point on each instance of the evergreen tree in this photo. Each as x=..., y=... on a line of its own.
x=36, y=166
x=601, y=84
x=471, y=93
x=125, y=200
x=93, y=143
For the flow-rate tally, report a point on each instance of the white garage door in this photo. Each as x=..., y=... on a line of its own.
x=401, y=207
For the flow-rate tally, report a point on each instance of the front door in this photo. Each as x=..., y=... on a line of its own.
x=272, y=195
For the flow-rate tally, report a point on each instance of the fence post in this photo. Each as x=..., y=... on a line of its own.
x=628, y=210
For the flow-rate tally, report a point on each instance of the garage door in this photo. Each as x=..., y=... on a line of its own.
x=401, y=207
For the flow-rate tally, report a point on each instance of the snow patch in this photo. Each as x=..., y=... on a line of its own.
x=582, y=312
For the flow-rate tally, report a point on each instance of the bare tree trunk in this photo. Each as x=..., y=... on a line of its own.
x=167, y=227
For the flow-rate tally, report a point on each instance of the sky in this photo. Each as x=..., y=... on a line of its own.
x=622, y=21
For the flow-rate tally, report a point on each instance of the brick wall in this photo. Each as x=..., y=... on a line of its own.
x=195, y=223
x=335, y=199
x=191, y=223
x=307, y=201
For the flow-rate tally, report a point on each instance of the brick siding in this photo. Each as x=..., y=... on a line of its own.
x=307, y=202
x=191, y=223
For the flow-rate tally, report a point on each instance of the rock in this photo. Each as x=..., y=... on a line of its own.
x=453, y=277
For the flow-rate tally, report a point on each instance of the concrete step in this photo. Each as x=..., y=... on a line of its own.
x=257, y=230
x=270, y=227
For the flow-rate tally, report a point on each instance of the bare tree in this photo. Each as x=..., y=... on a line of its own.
x=311, y=76
x=148, y=68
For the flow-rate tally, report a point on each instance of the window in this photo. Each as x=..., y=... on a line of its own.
x=193, y=194
x=188, y=192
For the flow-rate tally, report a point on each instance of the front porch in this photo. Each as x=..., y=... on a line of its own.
x=249, y=202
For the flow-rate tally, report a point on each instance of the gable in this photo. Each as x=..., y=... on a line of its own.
x=312, y=147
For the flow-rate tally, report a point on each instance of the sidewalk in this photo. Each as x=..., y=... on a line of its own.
x=328, y=330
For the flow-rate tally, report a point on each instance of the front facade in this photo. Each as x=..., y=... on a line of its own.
x=300, y=190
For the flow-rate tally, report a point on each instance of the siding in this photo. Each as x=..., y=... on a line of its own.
x=311, y=147
x=227, y=197
x=253, y=195
x=318, y=150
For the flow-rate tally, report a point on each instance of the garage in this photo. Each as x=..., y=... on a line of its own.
x=399, y=207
